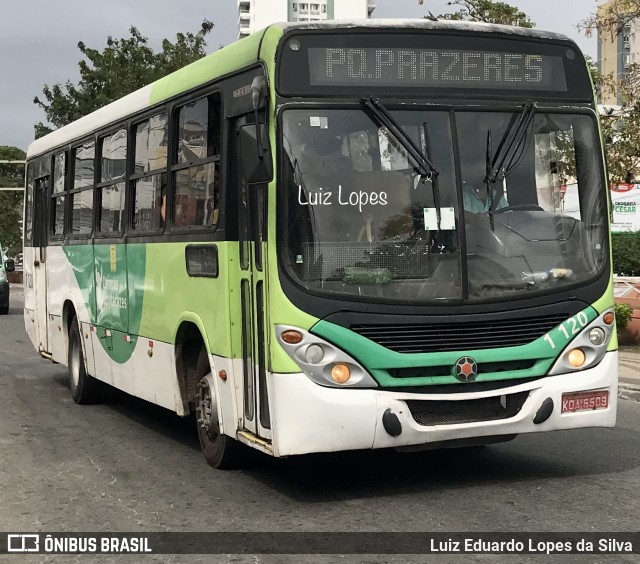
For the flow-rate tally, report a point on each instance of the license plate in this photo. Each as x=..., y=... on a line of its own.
x=585, y=401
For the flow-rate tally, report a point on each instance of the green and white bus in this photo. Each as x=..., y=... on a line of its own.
x=336, y=236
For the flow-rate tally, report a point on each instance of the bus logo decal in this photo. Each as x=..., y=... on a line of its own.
x=466, y=369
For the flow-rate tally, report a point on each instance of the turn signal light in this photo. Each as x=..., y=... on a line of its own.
x=576, y=358
x=608, y=317
x=340, y=373
x=291, y=337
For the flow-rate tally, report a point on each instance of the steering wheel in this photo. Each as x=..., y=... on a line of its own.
x=521, y=207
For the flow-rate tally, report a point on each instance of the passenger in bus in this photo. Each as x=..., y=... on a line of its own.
x=211, y=217
x=162, y=206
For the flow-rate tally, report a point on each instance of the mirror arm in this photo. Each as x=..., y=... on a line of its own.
x=258, y=95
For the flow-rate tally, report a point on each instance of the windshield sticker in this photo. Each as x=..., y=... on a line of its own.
x=447, y=219
x=318, y=121
x=322, y=197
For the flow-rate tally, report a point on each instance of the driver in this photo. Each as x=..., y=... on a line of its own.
x=476, y=199
x=325, y=156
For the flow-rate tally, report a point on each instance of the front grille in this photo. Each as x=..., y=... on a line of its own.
x=446, y=370
x=473, y=387
x=438, y=412
x=456, y=336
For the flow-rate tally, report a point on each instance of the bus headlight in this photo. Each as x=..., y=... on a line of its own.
x=588, y=347
x=597, y=336
x=314, y=354
x=576, y=358
x=322, y=362
x=340, y=373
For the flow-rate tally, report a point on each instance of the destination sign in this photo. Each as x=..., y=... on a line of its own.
x=443, y=68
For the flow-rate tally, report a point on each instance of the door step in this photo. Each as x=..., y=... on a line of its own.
x=252, y=440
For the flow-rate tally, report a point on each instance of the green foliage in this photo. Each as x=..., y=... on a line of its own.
x=596, y=78
x=489, y=12
x=624, y=313
x=611, y=18
x=626, y=253
x=11, y=202
x=621, y=126
x=123, y=66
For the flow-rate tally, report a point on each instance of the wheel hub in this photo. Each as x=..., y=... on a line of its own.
x=207, y=407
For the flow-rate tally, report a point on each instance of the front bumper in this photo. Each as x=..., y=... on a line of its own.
x=4, y=294
x=311, y=418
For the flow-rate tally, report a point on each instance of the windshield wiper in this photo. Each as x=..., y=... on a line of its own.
x=434, y=173
x=507, y=157
x=424, y=166
x=487, y=181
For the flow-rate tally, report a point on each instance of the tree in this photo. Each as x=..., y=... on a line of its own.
x=123, y=66
x=11, y=175
x=626, y=253
x=621, y=126
x=611, y=18
x=620, y=123
x=488, y=12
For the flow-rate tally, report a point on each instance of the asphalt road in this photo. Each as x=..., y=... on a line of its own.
x=130, y=466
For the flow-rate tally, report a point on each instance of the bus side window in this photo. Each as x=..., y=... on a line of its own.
x=58, y=195
x=196, y=168
x=29, y=205
x=81, y=194
x=111, y=188
x=149, y=178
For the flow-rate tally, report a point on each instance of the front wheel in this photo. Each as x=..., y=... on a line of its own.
x=219, y=450
x=84, y=388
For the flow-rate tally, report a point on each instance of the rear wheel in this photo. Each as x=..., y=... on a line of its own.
x=220, y=451
x=84, y=388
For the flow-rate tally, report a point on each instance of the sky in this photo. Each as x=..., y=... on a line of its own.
x=38, y=38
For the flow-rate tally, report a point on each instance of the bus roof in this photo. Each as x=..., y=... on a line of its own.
x=426, y=24
x=224, y=61
x=261, y=45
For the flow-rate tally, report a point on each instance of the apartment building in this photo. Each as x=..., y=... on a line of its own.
x=616, y=53
x=254, y=15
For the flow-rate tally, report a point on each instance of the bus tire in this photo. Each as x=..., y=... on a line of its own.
x=84, y=388
x=219, y=450
x=4, y=310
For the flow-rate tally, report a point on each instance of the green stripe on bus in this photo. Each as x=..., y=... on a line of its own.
x=378, y=359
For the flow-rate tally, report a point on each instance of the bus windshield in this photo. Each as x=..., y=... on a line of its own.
x=361, y=219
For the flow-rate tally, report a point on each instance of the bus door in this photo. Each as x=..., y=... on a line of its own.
x=39, y=272
x=252, y=213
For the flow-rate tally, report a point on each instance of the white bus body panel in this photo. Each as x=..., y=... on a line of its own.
x=31, y=311
x=62, y=286
x=310, y=418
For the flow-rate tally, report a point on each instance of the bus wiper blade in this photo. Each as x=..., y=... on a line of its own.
x=506, y=155
x=434, y=175
x=487, y=181
x=502, y=162
x=424, y=166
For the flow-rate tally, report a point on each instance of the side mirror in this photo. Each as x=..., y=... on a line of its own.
x=9, y=265
x=255, y=154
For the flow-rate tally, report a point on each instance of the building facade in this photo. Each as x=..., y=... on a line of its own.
x=616, y=53
x=254, y=15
